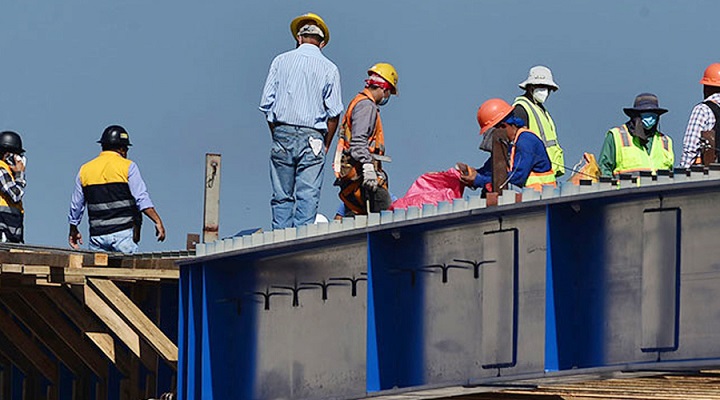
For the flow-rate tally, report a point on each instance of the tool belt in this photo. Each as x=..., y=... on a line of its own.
x=350, y=183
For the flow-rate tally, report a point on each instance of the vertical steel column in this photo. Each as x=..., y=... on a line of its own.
x=211, y=207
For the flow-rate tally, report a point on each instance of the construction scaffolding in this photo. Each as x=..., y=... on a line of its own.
x=82, y=325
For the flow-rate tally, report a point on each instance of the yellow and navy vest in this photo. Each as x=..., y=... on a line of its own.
x=535, y=180
x=631, y=155
x=11, y=213
x=541, y=124
x=111, y=206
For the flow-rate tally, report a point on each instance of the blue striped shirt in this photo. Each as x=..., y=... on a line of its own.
x=302, y=89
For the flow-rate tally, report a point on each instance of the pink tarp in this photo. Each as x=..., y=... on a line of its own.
x=431, y=188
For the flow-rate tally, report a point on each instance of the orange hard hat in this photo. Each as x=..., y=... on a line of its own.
x=491, y=112
x=712, y=75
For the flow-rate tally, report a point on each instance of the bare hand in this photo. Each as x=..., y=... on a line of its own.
x=75, y=237
x=160, y=231
x=19, y=165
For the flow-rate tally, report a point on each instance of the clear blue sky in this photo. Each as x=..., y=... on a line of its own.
x=185, y=77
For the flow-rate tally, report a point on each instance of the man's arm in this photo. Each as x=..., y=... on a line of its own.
x=14, y=189
x=332, y=127
x=363, y=123
x=77, y=207
x=332, y=97
x=606, y=160
x=142, y=199
x=699, y=118
x=267, y=100
x=159, y=227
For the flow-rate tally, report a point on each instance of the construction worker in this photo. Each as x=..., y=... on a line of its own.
x=637, y=145
x=529, y=164
x=12, y=187
x=115, y=194
x=302, y=105
x=361, y=146
x=704, y=117
x=530, y=107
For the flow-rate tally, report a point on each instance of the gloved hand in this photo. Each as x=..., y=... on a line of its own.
x=370, y=181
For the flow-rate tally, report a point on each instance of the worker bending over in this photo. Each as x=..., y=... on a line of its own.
x=530, y=107
x=361, y=146
x=704, y=117
x=12, y=187
x=115, y=194
x=529, y=164
x=637, y=145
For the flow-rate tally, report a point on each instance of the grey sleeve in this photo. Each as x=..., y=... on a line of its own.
x=520, y=112
x=363, y=124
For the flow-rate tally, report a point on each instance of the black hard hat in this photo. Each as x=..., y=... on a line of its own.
x=10, y=141
x=115, y=135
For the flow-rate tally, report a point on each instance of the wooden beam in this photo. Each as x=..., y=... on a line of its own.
x=95, y=331
x=63, y=260
x=42, y=332
x=116, y=324
x=59, y=325
x=124, y=273
x=136, y=318
x=25, y=345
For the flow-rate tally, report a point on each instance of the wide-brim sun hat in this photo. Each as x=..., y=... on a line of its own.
x=644, y=102
x=539, y=75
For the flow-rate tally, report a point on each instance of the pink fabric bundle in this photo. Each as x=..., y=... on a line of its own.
x=431, y=188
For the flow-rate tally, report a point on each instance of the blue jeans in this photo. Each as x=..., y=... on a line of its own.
x=296, y=175
x=119, y=241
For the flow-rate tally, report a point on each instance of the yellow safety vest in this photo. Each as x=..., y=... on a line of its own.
x=535, y=180
x=541, y=124
x=11, y=213
x=111, y=205
x=631, y=155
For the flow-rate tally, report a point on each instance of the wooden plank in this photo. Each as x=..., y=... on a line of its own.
x=136, y=318
x=123, y=273
x=116, y=324
x=42, y=332
x=7, y=268
x=143, y=263
x=25, y=345
x=51, y=315
x=87, y=324
x=36, y=270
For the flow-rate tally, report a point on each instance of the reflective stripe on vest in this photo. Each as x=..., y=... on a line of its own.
x=111, y=205
x=535, y=180
x=376, y=140
x=543, y=126
x=11, y=213
x=630, y=156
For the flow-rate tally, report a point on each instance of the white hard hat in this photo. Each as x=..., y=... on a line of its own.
x=319, y=218
x=539, y=75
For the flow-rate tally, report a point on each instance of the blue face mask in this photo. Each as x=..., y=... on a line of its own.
x=649, y=119
x=383, y=101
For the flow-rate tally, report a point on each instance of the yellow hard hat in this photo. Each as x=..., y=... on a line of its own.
x=309, y=18
x=387, y=72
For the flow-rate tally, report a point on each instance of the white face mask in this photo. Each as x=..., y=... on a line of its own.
x=540, y=94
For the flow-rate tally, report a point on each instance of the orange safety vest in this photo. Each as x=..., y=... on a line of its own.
x=536, y=180
x=347, y=170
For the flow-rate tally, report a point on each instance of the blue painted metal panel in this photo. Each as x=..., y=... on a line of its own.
x=577, y=300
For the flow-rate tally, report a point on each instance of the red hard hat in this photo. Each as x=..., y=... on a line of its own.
x=491, y=112
x=712, y=75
